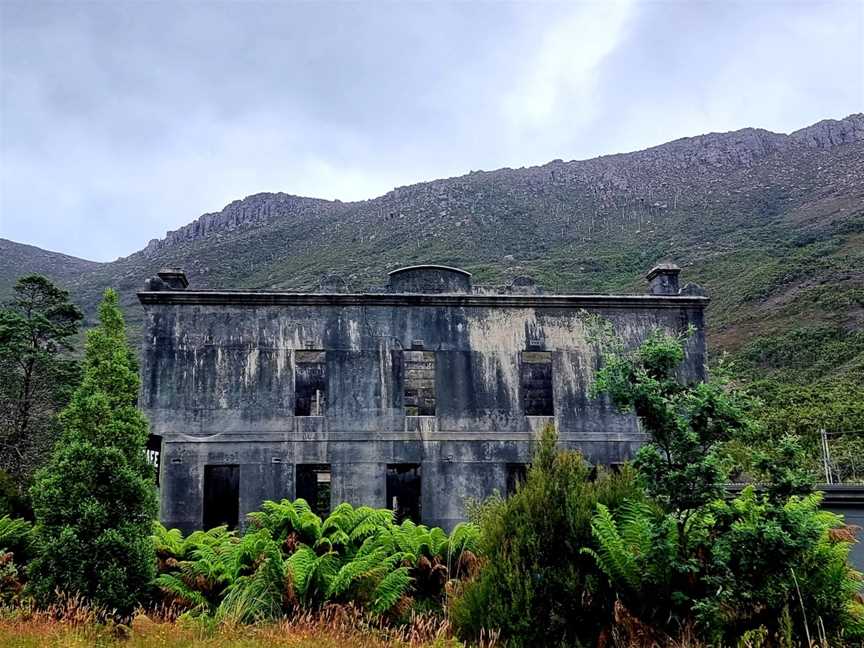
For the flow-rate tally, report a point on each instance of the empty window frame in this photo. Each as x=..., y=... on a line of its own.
x=516, y=474
x=536, y=383
x=403, y=491
x=310, y=383
x=313, y=485
x=221, y=496
x=419, y=390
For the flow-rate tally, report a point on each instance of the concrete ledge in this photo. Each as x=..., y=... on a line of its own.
x=246, y=298
x=395, y=435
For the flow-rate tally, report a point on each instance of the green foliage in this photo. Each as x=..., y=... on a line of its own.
x=766, y=557
x=536, y=585
x=35, y=379
x=802, y=411
x=12, y=501
x=694, y=556
x=95, y=500
x=687, y=423
x=635, y=549
x=290, y=559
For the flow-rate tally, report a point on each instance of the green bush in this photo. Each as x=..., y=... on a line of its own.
x=536, y=585
x=761, y=562
x=289, y=558
x=95, y=500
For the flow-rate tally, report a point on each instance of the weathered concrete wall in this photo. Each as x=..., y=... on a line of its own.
x=848, y=501
x=218, y=384
x=854, y=516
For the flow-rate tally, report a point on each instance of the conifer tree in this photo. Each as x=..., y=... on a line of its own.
x=95, y=500
x=37, y=378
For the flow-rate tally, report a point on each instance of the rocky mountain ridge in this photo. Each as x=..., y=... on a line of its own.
x=739, y=148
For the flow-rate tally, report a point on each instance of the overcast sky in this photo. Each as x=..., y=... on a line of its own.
x=120, y=120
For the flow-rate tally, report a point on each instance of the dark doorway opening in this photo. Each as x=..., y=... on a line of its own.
x=516, y=474
x=403, y=491
x=313, y=485
x=536, y=383
x=221, y=496
x=310, y=383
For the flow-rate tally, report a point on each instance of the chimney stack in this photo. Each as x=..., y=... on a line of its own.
x=174, y=278
x=663, y=279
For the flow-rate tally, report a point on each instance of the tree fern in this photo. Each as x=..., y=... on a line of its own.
x=260, y=594
x=301, y=565
x=355, y=554
x=311, y=574
x=341, y=519
x=438, y=542
x=367, y=521
x=465, y=537
x=280, y=518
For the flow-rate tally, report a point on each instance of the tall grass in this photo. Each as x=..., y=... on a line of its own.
x=71, y=623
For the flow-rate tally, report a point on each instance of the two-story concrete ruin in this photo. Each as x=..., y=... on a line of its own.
x=416, y=397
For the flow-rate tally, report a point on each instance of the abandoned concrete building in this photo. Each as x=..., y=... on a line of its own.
x=415, y=397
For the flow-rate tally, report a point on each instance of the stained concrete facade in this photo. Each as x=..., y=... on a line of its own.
x=431, y=376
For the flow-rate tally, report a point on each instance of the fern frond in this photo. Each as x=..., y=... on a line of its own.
x=258, y=596
x=352, y=571
x=612, y=555
x=301, y=565
x=309, y=527
x=391, y=588
x=168, y=543
x=16, y=534
x=178, y=589
x=301, y=506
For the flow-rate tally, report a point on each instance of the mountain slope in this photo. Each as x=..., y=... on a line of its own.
x=771, y=224
x=17, y=259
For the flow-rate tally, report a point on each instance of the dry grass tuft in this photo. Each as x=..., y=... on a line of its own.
x=845, y=533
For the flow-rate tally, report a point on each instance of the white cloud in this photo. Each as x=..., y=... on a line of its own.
x=557, y=80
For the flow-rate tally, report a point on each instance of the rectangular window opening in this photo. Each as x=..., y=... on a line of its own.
x=403, y=491
x=310, y=383
x=313, y=485
x=419, y=392
x=221, y=496
x=516, y=474
x=536, y=383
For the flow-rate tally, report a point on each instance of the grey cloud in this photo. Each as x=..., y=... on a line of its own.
x=121, y=120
